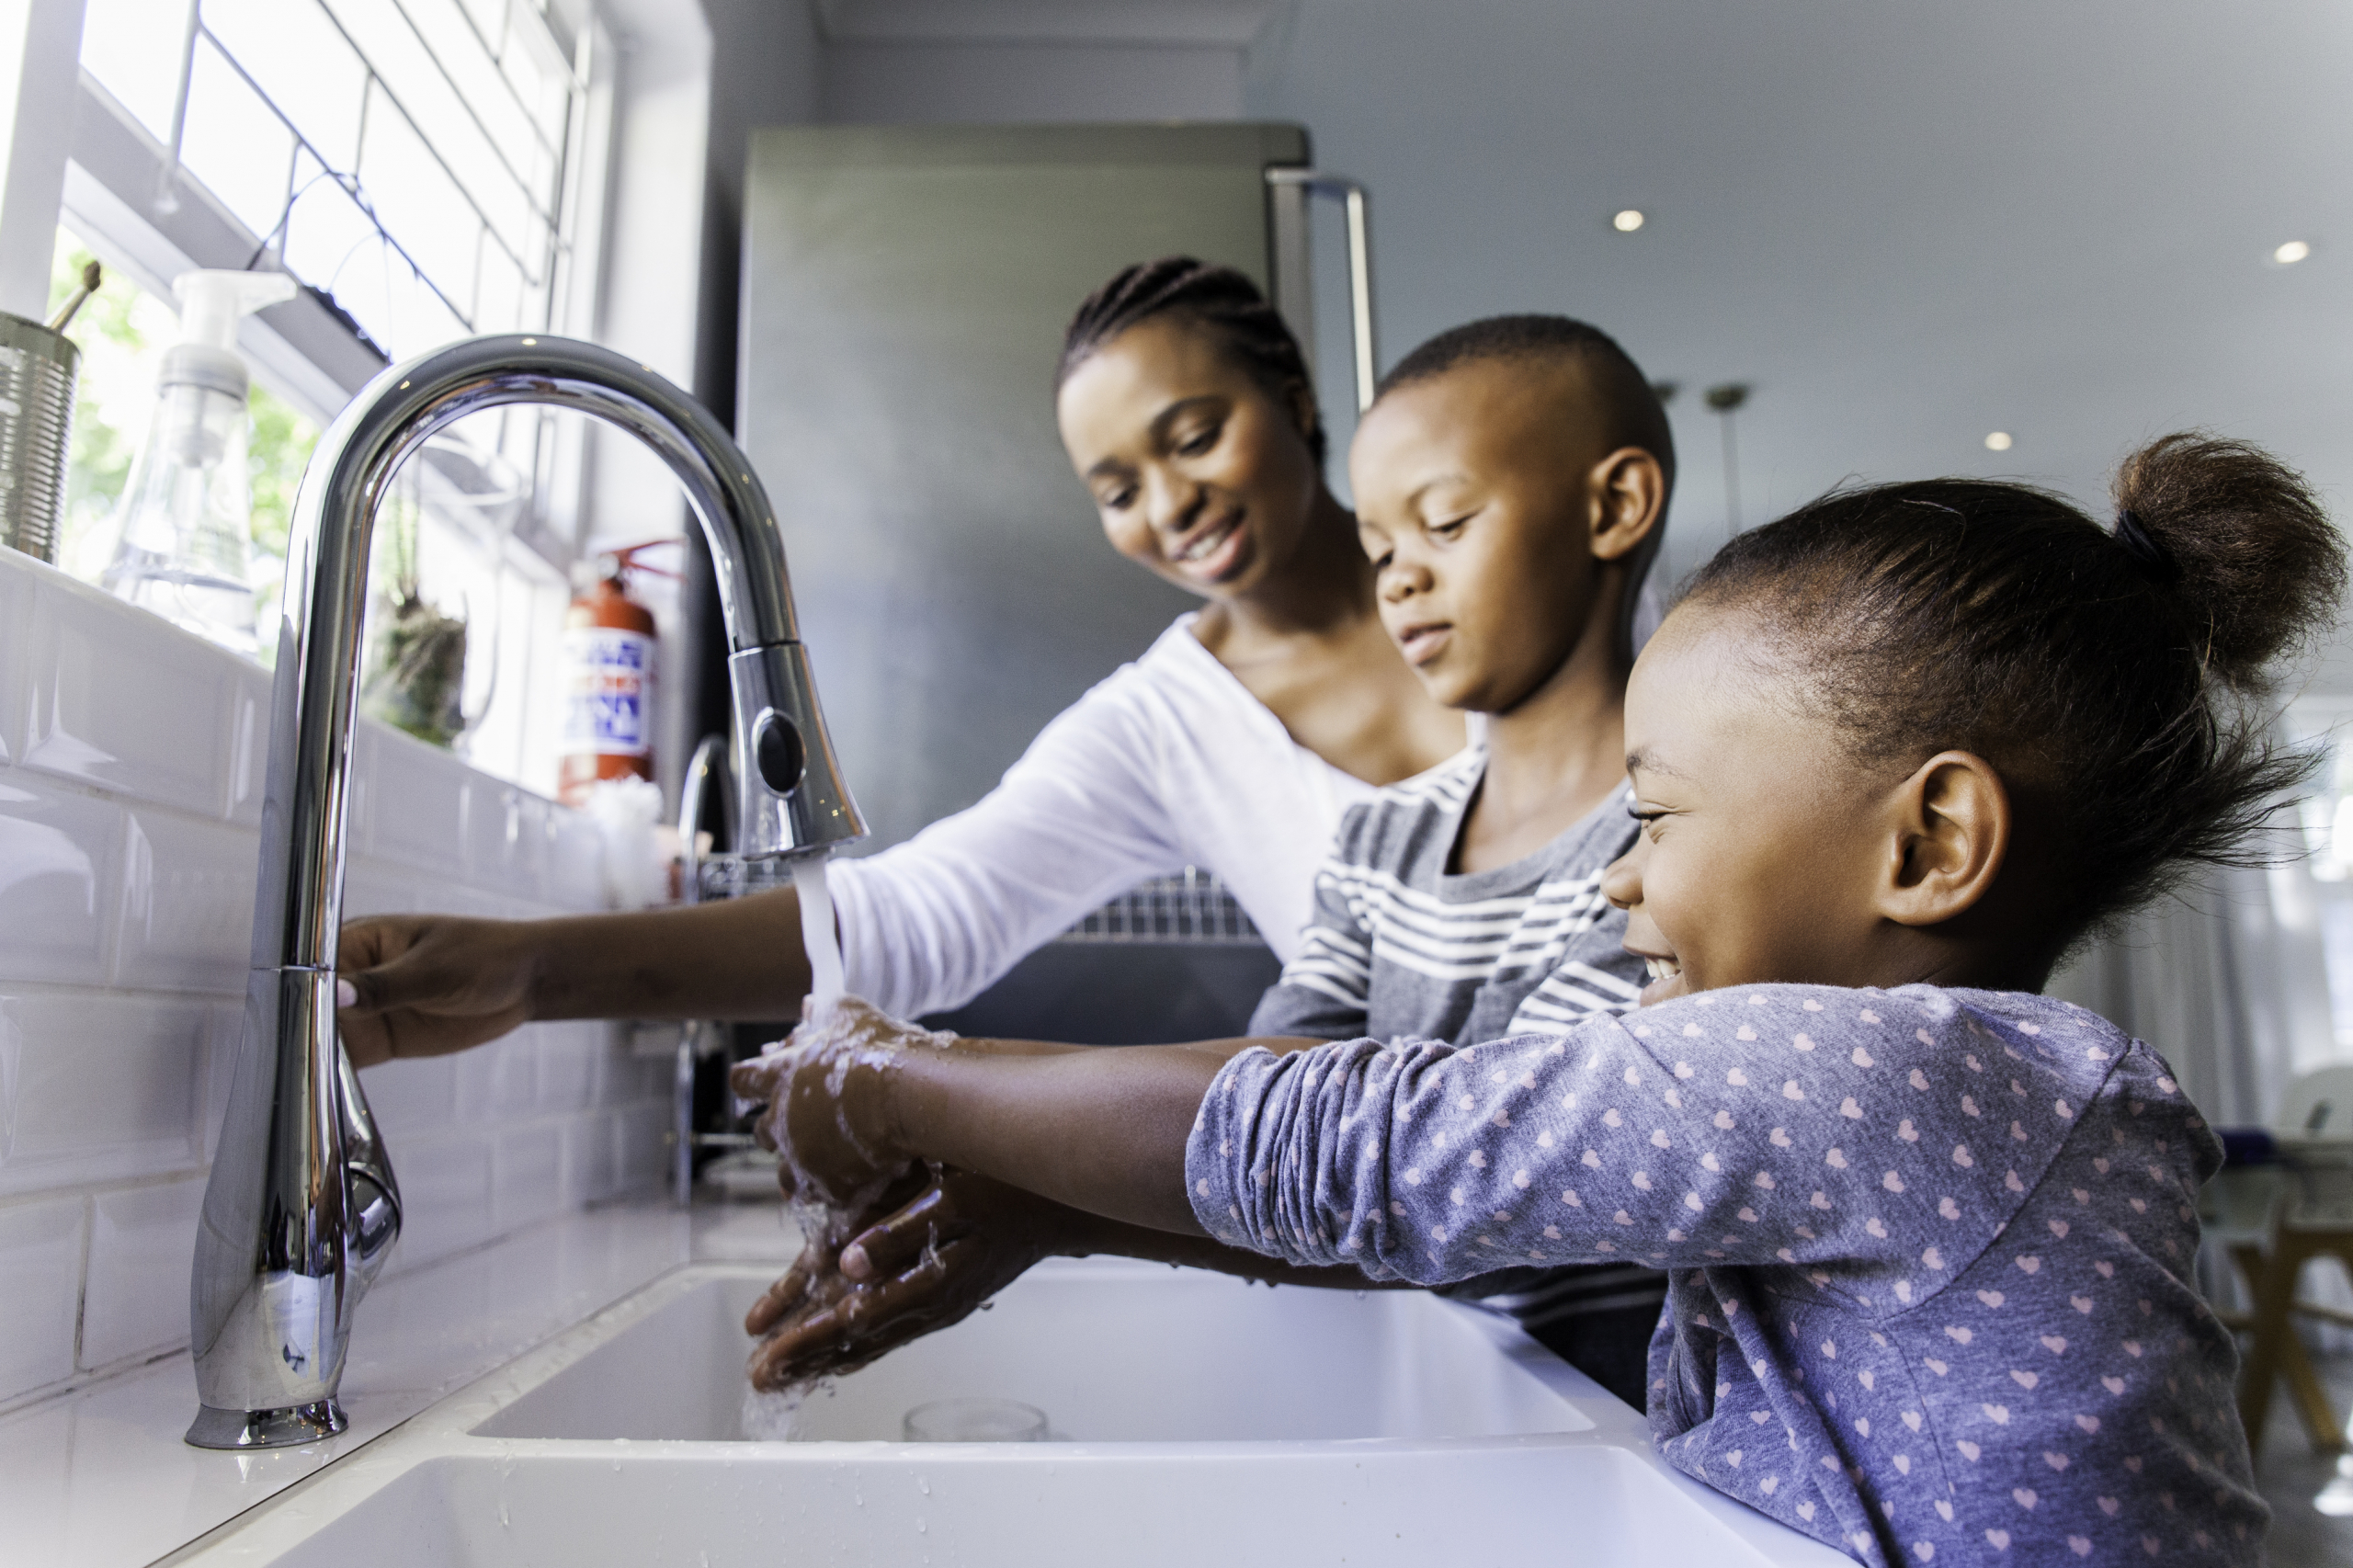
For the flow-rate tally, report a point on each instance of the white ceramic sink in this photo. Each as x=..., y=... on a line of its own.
x=1196, y=1420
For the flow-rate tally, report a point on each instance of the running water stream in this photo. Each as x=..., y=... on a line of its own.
x=818, y=936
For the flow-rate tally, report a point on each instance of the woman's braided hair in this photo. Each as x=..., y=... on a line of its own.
x=2117, y=679
x=1218, y=300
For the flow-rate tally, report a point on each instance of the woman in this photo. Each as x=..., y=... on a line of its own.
x=1232, y=745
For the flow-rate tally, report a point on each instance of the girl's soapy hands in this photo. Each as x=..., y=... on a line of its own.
x=827, y=1094
x=915, y=1266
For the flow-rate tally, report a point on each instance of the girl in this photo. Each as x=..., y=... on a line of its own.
x=1929, y=1231
x=1232, y=745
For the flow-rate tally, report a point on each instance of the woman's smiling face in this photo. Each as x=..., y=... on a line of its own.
x=1197, y=474
x=1763, y=843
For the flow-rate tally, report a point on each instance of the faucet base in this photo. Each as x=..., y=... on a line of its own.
x=217, y=1428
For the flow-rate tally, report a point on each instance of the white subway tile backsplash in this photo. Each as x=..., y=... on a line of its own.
x=126, y=701
x=412, y=1097
x=528, y=1170
x=638, y=1148
x=590, y=1173
x=224, y=1028
x=41, y=1291
x=373, y=887
x=98, y=1087
x=446, y=1193
x=133, y=763
x=61, y=857
x=571, y=1063
x=505, y=841
x=417, y=810
x=16, y=630
x=248, y=764
x=139, y=1236
x=500, y=1081
x=187, y=904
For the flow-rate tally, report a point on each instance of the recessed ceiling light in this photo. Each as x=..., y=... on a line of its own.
x=1626, y=222
x=1999, y=441
x=2291, y=253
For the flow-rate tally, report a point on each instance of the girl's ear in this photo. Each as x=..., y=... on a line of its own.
x=1952, y=821
x=1629, y=491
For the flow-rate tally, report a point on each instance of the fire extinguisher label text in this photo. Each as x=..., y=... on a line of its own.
x=608, y=675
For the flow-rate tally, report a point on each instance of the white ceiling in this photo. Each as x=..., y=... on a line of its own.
x=1907, y=224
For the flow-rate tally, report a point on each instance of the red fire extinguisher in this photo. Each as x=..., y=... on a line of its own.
x=609, y=678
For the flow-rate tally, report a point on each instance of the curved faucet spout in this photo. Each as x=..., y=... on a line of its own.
x=301, y=1206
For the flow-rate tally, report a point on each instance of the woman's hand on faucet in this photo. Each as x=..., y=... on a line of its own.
x=429, y=985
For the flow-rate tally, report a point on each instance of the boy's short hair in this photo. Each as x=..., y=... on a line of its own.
x=1631, y=411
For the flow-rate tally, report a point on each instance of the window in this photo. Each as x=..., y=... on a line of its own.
x=2326, y=815
x=408, y=158
x=419, y=166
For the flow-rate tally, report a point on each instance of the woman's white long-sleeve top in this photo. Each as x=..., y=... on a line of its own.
x=1168, y=763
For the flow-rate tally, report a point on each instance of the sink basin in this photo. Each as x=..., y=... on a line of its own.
x=1192, y=1414
x=1111, y=1351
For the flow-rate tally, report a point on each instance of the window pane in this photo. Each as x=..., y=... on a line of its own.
x=241, y=150
x=433, y=109
x=499, y=305
x=460, y=49
x=132, y=47
x=295, y=54
x=415, y=202
x=325, y=229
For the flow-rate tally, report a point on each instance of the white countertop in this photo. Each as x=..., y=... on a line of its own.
x=99, y=1478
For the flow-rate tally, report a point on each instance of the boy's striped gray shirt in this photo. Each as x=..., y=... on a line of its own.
x=1399, y=947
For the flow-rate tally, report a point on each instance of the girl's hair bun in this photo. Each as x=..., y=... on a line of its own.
x=2258, y=568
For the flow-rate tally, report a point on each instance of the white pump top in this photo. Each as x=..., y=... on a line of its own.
x=212, y=302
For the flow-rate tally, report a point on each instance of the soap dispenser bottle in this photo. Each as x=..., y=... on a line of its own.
x=185, y=513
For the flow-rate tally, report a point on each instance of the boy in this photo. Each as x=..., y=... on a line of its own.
x=1511, y=481
x=1511, y=484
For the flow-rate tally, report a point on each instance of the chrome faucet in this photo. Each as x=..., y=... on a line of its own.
x=301, y=1208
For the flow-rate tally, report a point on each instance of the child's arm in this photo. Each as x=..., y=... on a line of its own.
x=1875, y=1141
x=1801, y=1128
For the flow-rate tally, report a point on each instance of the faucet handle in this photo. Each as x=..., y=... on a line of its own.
x=372, y=1213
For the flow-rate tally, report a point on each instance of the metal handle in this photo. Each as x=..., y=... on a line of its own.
x=1358, y=205
x=709, y=767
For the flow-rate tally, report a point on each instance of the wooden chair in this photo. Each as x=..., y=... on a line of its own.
x=2272, y=1222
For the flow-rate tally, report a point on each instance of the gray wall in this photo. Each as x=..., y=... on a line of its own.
x=905, y=292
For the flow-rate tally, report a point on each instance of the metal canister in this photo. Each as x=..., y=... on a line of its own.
x=37, y=372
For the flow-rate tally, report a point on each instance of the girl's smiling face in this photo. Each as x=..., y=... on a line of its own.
x=1197, y=473
x=1768, y=853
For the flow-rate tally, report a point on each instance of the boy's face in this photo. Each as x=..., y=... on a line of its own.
x=1475, y=500
x=1761, y=852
